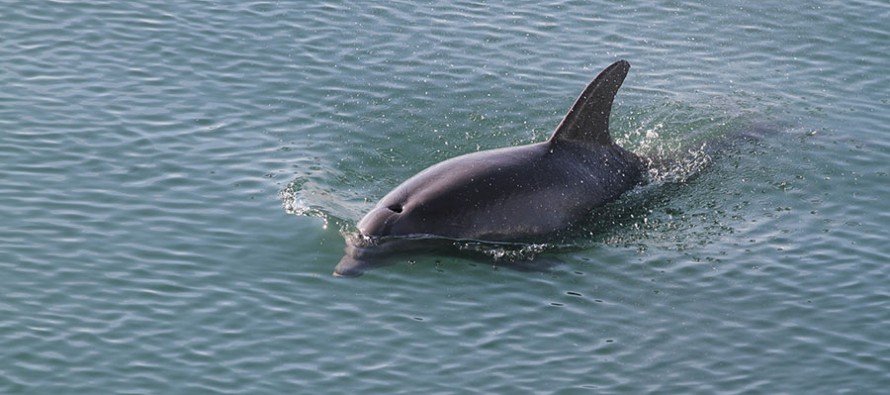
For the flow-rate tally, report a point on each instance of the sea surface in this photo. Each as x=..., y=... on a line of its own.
x=176, y=180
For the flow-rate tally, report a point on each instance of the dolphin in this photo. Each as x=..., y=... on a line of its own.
x=513, y=194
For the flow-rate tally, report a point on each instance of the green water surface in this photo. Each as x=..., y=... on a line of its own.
x=152, y=155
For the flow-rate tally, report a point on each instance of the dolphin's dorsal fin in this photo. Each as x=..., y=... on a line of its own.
x=588, y=119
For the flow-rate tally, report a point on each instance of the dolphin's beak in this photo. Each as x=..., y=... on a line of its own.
x=351, y=267
x=363, y=254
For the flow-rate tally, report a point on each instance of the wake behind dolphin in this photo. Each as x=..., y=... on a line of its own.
x=515, y=194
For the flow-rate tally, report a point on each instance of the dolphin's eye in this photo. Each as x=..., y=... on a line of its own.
x=396, y=208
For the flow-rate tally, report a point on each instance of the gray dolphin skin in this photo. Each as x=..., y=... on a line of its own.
x=514, y=194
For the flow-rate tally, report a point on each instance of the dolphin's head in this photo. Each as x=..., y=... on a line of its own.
x=377, y=237
x=410, y=210
x=383, y=220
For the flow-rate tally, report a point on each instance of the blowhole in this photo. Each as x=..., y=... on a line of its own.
x=396, y=208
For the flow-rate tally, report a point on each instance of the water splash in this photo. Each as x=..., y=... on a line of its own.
x=294, y=200
x=504, y=252
x=671, y=167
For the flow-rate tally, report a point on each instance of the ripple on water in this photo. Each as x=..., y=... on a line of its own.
x=144, y=248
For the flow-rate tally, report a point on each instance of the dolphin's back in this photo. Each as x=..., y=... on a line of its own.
x=512, y=194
